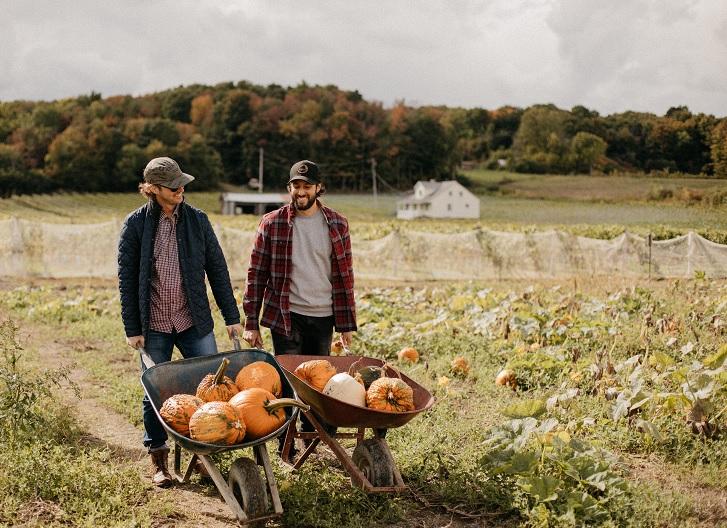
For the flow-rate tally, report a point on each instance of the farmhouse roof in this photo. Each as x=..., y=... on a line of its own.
x=432, y=189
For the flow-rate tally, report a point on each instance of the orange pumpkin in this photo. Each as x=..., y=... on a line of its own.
x=259, y=374
x=216, y=422
x=316, y=372
x=261, y=412
x=460, y=366
x=217, y=386
x=506, y=378
x=390, y=394
x=178, y=409
x=337, y=348
x=408, y=354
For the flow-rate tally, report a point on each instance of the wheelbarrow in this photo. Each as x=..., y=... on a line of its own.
x=245, y=491
x=371, y=465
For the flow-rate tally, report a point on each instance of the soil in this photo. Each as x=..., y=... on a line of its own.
x=710, y=504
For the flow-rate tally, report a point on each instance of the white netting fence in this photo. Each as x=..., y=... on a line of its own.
x=34, y=249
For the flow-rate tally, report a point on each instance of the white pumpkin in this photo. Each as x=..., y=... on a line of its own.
x=344, y=387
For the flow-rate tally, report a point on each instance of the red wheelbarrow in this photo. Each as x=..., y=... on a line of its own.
x=371, y=465
x=245, y=491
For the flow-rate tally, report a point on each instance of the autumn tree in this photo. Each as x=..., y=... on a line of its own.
x=718, y=146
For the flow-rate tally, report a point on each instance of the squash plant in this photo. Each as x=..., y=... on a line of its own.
x=562, y=479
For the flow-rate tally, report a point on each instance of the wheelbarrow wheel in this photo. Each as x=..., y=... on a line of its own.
x=248, y=487
x=374, y=463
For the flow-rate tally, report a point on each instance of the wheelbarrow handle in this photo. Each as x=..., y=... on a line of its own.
x=146, y=358
x=236, y=341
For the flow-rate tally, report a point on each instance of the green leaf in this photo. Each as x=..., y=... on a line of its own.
x=524, y=409
x=649, y=428
x=522, y=463
x=718, y=359
x=543, y=489
x=661, y=359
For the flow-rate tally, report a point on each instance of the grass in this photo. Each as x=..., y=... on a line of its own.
x=51, y=474
x=440, y=453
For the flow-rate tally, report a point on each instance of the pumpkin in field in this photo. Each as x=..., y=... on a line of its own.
x=316, y=372
x=390, y=394
x=260, y=411
x=344, y=387
x=408, y=354
x=259, y=374
x=506, y=378
x=216, y=422
x=337, y=348
x=178, y=409
x=217, y=386
x=460, y=366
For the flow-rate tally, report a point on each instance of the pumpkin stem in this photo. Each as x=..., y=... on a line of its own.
x=353, y=368
x=221, y=371
x=387, y=365
x=273, y=405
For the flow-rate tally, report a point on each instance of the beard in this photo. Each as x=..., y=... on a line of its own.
x=305, y=205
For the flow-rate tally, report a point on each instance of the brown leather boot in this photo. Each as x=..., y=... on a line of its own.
x=161, y=477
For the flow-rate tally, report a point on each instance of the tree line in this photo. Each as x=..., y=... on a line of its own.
x=95, y=144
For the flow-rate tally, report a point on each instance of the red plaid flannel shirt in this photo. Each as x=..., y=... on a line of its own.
x=268, y=277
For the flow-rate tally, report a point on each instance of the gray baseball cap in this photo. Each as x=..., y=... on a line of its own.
x=166, y=172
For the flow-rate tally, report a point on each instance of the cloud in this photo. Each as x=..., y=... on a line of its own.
x=642, y=54
x=614, y=56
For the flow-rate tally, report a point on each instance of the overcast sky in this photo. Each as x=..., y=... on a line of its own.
x=609, y=55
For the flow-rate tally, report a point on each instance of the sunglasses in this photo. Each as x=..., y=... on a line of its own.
x=173, y=189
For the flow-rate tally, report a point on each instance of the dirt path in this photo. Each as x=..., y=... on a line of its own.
x=201, y=505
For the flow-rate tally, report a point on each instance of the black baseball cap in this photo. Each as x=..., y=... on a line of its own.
x=305, y=170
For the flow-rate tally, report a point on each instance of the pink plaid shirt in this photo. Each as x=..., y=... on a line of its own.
x=169, y=308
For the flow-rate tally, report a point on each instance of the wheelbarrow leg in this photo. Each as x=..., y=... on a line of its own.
x=223, y=488
x=290, y=436
x=261, y=454
x=178, y=463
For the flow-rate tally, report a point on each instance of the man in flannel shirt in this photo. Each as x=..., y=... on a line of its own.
x=301, y=275
x=301, y=272
x=166, y=249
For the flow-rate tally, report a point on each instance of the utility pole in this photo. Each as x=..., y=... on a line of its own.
x=260, y=170
x=373, y=181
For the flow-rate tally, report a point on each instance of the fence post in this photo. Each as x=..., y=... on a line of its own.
x=649, y=239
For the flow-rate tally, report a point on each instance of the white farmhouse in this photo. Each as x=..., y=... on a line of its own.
x=435, y=199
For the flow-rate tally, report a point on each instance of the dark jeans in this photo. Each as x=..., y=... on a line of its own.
x=310, y=336
x=159, y=346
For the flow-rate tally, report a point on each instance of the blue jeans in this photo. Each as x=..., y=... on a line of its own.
x=159, y=346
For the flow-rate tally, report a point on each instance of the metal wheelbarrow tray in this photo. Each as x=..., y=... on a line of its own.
x=371, y=465
x=245, y=492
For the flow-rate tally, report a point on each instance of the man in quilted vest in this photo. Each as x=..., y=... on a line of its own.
x=166, y=249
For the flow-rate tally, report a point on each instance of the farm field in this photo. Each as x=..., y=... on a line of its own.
x=617, y=416
x=599, y=207
x=603, y=188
